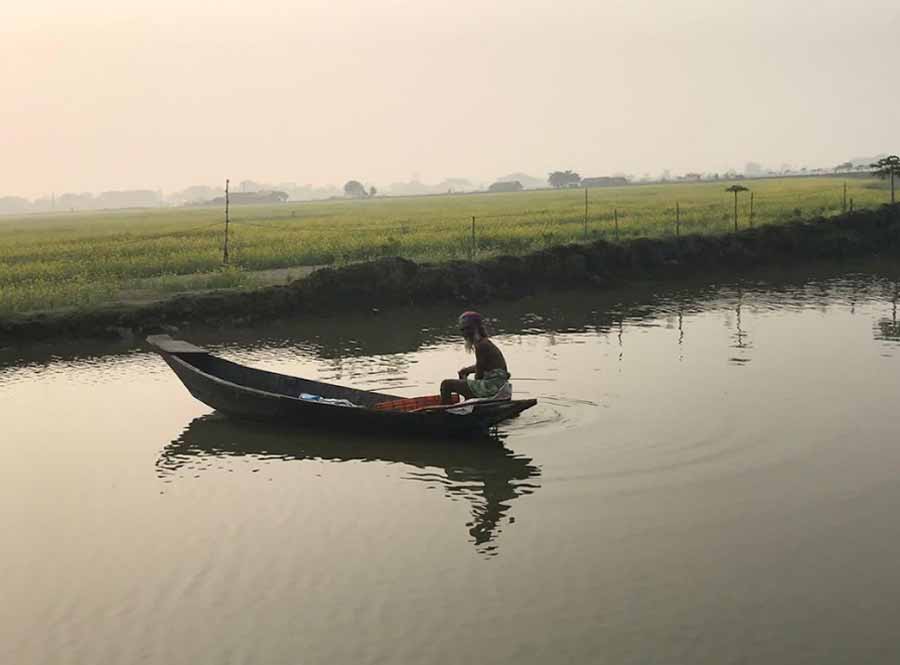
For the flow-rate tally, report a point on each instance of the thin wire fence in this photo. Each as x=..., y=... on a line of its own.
x=479, y=235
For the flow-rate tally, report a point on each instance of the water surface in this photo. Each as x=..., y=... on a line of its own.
x=711, y=476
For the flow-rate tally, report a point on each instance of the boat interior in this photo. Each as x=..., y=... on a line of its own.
x=281, y=384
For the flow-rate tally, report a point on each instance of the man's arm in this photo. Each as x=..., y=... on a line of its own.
x=465, y=371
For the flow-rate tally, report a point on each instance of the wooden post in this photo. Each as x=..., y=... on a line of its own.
x=473, y=237
x=851, y=204
x=677, y=220
x=225, y=246
x=616, y=218
x=751, y=209
x=735, y=211
x=585, y=212
x=844, y=202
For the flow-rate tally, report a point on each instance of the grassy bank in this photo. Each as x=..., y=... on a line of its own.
x=83, y=259
x=374, y=286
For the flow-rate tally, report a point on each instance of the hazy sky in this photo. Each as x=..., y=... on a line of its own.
x=103, y=94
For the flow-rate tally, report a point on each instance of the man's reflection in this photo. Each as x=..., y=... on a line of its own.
x=889, y=328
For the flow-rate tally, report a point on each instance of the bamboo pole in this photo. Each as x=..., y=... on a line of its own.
x=735, y=211
x=585, y=212
x=225, y=246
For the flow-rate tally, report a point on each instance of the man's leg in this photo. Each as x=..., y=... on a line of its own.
x=458, y=386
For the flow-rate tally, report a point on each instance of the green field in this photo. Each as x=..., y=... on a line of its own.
x=82, y=259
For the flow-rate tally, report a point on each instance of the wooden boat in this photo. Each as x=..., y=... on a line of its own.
x=245, y=392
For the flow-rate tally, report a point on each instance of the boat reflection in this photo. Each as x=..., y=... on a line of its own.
x=483, y=472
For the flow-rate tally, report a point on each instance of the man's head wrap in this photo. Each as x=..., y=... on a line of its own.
x=471, y=317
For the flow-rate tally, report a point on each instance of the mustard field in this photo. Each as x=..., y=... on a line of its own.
x=81, y=259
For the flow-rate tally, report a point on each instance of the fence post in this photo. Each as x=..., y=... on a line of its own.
x=616, y=218
x=844, y=203
x=225, y=246
x=473, y=239
x=751, y=209
x=585, y=212
x=735, y=212
x=677, y=220
x=851, y=204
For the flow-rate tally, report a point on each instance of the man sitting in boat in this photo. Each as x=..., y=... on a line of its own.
x=491, y=375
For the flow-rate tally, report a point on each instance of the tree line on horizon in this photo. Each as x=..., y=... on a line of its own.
x=886, y=167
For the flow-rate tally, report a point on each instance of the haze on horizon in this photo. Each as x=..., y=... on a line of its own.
x=104, y=94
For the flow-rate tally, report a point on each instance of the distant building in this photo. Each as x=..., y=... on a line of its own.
x=753, y=170
x=528, y=182
x=513, y=186
x=606, y=181
x=250, y=198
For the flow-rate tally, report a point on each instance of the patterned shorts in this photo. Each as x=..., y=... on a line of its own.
x=490, y=384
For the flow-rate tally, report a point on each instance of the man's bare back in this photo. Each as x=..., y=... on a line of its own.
x=487, y=357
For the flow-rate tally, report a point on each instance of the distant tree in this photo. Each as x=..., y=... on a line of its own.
x=887, y=167
x=564, y=179
x=355, y=189
x=844, y=166
x=736, y=189
x=372, y=191
x=11, y=204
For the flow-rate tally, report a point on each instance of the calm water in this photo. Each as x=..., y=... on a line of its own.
x=712, y=475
